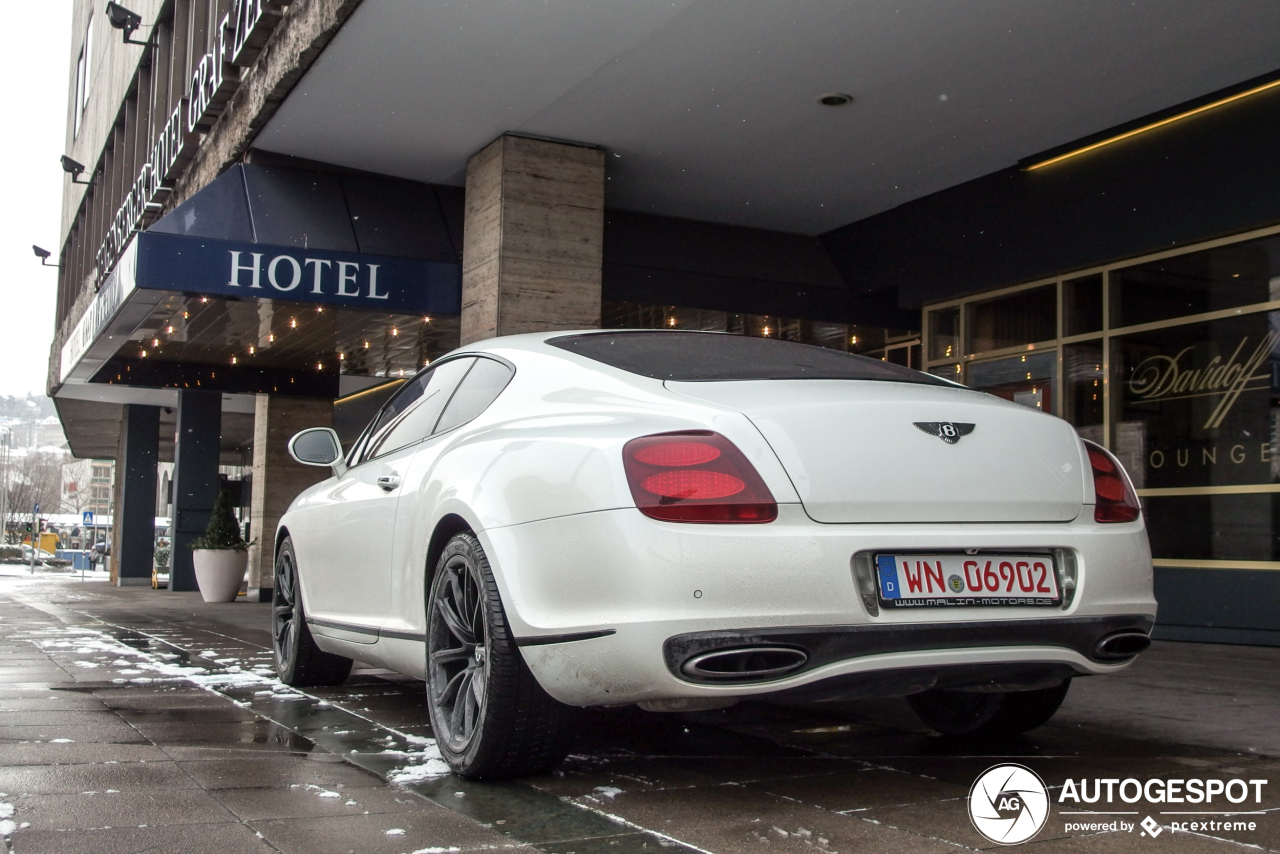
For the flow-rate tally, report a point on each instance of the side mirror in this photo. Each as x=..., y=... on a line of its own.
x=318, y=446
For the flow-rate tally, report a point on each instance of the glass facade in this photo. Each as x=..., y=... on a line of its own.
x=1028, y=379
x=1172, y=361
x=900, y=346
x=1020, y=318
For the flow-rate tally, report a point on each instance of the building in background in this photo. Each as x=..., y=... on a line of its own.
x=283, y=207
x=86, y=486
x=34, y=457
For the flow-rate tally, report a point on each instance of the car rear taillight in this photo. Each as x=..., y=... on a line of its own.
x=695, y=476
x=1116, y=500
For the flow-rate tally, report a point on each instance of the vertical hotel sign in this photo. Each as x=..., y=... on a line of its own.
x=240, y=37
x=105, y=306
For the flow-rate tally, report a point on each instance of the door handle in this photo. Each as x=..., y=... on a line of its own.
x=389, y=482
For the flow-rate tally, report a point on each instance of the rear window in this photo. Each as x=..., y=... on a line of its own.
x=700, y=356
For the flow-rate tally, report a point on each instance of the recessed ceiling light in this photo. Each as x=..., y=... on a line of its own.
x=834, y=99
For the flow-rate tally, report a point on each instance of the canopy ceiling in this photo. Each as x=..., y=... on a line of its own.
x=708, y=107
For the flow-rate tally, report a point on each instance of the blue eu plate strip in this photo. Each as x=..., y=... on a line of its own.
x=888, y=577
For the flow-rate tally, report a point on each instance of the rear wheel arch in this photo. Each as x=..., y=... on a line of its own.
x=450, y=525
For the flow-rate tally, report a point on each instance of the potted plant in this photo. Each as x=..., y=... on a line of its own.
x=221, y=556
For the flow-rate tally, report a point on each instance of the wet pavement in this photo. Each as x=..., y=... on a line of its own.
x=135, y=720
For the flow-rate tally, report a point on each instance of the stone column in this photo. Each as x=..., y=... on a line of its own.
x=195, y=479
x=533, y=238
x=277, y=479
x=135, y=522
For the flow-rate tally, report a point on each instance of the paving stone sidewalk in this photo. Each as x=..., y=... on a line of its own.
x=135, y=720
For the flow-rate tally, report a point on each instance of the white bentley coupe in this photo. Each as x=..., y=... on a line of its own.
x=682, y=520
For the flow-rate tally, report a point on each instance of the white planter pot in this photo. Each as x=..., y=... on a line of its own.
x=219, y=573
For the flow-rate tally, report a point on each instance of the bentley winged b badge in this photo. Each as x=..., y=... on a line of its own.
x=948, y=431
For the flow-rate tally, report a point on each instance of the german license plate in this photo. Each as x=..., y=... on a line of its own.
x=951, y=580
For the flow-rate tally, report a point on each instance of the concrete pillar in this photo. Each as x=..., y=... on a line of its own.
x=533, y=238
x=135, y=544
x=277, y=479
x=195, y=478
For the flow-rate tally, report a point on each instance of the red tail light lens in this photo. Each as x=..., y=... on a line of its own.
x=1116, y=500
x=677, y=454
x=696, y=476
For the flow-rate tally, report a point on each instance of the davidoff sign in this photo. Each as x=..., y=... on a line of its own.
x=240, y=37
x=1161, y=378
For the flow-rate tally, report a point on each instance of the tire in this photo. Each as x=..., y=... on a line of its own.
x=299, y=661
x=490, y=717
x=967, y=714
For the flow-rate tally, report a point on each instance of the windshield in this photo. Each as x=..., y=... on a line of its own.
x=709, y=356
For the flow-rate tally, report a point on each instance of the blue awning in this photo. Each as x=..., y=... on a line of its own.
x=272, y=232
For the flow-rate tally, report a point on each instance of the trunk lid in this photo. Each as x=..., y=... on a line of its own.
x=854, y=454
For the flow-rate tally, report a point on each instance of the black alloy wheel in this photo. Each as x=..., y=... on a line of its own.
x=459, y=648
x=299, y=660
x=284, y=625
x=490, y=717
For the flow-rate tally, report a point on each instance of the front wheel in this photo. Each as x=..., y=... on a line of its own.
x=299, y=661
x=973, y=714
x=490, y=717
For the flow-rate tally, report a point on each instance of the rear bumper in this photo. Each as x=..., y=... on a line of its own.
x=688, y=655
x=669, y=592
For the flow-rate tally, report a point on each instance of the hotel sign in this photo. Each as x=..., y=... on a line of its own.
x=106, y=305
x=152, y=262
x=240, y=37
x=197, y=265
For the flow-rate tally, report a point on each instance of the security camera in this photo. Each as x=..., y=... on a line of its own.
x=73, y=169
x=122, y=19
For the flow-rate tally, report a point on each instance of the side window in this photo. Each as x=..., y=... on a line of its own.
x=411, y=419
x=408, y=395
x=353, y=415
x=481, y=387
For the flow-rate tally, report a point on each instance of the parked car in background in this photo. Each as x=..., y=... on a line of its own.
x=41, y=554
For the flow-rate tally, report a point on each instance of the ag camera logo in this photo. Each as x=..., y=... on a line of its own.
x=1008, y=804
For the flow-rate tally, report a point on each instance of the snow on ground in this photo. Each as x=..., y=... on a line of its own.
x=44, y=573
x=422, y=764
x=427, y=765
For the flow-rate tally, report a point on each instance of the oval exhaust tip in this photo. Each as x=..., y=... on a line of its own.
x=745, y=664
x=1121, y=645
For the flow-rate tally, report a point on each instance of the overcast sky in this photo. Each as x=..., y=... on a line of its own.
x=35, y=63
